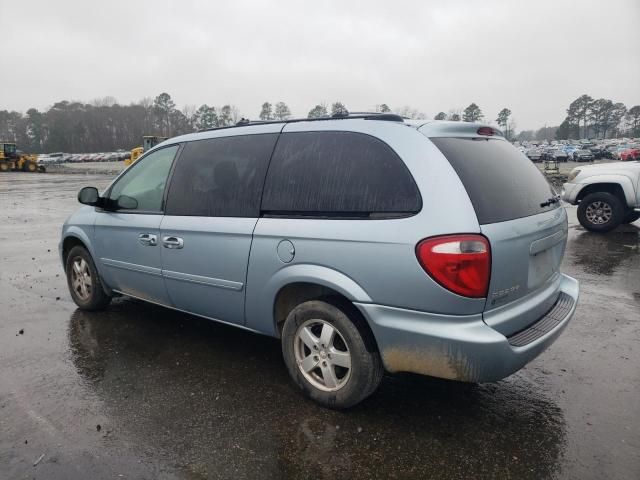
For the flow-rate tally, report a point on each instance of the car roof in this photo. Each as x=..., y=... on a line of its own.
x=430, y=128
x=246, y=127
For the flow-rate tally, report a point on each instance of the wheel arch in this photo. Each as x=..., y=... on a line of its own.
x=294, y=284
x=67, y=244
x=620, y=186
x=76, y=237
x=293, y=294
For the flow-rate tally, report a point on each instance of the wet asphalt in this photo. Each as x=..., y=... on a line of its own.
x=142, y=392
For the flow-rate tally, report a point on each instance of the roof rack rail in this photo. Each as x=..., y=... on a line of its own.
x=243, y=122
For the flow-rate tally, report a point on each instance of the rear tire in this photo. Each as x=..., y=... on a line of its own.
x=84, y=282
x=4, y=167
x=319, y=339
x=631, y=217
x=600, y=212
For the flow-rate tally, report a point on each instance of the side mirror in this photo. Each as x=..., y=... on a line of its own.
x=89, y=196
x=126, y=203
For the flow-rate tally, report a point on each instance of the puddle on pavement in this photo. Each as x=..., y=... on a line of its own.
x=214, y=399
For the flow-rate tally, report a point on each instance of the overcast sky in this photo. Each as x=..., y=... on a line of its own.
x=533, y=57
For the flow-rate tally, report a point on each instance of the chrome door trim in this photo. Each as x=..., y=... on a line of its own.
x=131, y=266
x=199, y=279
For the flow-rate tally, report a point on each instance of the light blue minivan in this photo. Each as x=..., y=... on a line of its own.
x=364, y=242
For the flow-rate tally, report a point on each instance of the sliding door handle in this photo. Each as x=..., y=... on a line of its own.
x=172, y=242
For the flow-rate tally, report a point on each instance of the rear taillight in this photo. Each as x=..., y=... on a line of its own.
x=460, y=263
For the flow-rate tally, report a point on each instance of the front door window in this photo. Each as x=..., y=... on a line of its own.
x=145, y=181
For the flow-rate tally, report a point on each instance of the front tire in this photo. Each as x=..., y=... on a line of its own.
x=30, y=166
x=84, y=282
x=600, y=212
x=329, y=353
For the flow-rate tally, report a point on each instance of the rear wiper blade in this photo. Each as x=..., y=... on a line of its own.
x=550, y=201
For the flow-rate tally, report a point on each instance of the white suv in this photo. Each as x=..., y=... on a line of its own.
x=607, y=194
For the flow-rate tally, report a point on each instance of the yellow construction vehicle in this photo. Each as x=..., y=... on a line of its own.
x=12, y=159
x=148, y=142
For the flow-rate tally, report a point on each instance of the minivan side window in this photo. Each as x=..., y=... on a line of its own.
x=338, y=174
x=145, y=180
x=221, y=177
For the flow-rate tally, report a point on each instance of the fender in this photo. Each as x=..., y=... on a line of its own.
x=264, y=300
x=74, y=231
x=624, y=181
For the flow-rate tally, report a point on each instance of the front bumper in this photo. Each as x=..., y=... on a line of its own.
x=570, y=192
x=461, y=348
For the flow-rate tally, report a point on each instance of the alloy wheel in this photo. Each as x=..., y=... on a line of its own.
x=599, y=213
x=322, y=355
x=81, y=278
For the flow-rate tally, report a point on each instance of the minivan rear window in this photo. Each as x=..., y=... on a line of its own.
x=502, y=183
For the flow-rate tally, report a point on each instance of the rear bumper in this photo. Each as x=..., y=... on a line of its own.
x=460, y=347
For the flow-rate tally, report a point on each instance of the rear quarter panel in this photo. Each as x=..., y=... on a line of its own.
x=371, y=261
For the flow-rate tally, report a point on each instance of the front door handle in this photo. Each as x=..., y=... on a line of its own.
x=148, y=239
x=172, y=242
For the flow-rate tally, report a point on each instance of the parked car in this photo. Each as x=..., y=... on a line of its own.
x=596, y=151
x=364, y=244
x=618, y=151
x=534, y=154
x=607, y=194
x=559, y=155
x=545, y=153
x=630, y=154
x=569, y=150
x=582, y=156
x=609, y=152
x=51, y=158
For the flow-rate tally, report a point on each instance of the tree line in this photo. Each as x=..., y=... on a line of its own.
x=599, y=118
x=591, y=118
x=105, y=125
